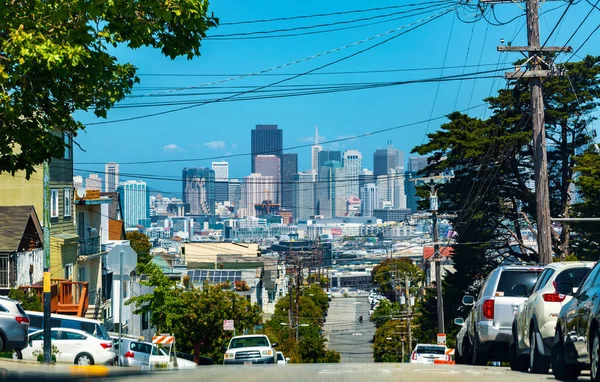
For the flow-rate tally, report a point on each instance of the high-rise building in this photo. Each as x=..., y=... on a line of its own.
x=314, y=152
x=135, y=200
x=365, y=176
x=352, y=165
x=270, y=165
x=235, y=193
x=111, y=171
x=198, y=190
x=265, y=140
x=221, y=170
x=289, y=169
x=304, y=195
x=386, y=159
x=221, y=192
x=257, y=188
x=385, y=189
x=93, y=182
x=415, y=165
x=329, y=191
x=328, y=155
x=369, y=197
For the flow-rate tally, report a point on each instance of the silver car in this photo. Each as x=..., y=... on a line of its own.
x=14, y=325
x=133, y=352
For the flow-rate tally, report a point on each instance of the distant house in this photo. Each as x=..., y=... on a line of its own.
x=446, y=259
x=21, y=252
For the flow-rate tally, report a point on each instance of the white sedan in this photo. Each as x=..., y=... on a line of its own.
x=71, y=346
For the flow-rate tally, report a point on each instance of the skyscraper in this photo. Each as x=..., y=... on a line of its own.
x=329, y=191
x=289, y=169
x=314, y=152
x=221, y=170
x=93, y=182
x=304, y=195
x=385, y=159
x=112, y=177
x=135, y=200
x=198, y=190
x=415, y=165
x=270, y=165
x=352, y=165
x=265, y=140
x=369, y=197
x=235, y=193
x=257, y=188
x=365, y=176
x=328, y=155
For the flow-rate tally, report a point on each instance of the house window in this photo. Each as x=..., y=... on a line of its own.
x=68, y=154
x=69, y=271
x=67, y=201
x=145, y=323
x=54, y=203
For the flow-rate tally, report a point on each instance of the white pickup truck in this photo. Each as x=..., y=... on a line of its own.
x=255, y=348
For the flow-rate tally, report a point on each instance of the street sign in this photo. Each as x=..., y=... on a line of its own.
x=441, y=339
x=228, y=325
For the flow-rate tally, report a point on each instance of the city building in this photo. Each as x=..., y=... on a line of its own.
x=257, y=188
x=289, y=169
x=391, y=214
x=314, y=152
x=415, y=165
x=198, y=190
x=265, y=140
x=270, y=165
x=78, y=182
x=266, y=207
x=328, y=155
x=93, y=182
x=353, y=206
x=304, y=195
x=135, y=200
x=364, y=177
x=369, y=197
x=221, y=170
x=221, y=192
x=386, y=159
x=111, y=171
x=352, y=162
x=330, y=194
x=234, y=189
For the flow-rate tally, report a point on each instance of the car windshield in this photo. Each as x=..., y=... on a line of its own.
x=510, y=278
x=431, y=349
x=572, y=276
x=248, y=342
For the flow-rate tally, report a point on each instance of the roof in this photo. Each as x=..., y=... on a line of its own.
x=208, y=252
x=444, y=251
x=14, y=224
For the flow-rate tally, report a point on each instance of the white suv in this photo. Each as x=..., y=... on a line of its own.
x=535, y=323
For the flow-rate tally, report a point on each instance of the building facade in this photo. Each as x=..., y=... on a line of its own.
x=314, y=152
x=265, y=140
x=289, y=169
x=369, y=197
x=221, y=170
x=386, y=159
x=415, y=165
x=93, y=182
x=304, y=195
x=270, y=165
x=329, y=191
x=257, y=188
x=352, y=162
x=111, y=182
x=198, y=190
x=135, y=200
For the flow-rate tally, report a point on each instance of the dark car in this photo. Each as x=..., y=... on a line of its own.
x=14, y=325
x=577, y=341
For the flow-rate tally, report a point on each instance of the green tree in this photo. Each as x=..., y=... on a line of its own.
x=391, y=272
x=141, y=245
x=195, y=315
x=55, y=60
x=390, y=338
x=587, y=166
x=29, y=300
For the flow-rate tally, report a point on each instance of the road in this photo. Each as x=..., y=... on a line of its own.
x=345, y=333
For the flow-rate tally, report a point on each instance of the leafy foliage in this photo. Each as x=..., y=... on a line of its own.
x=383, y=275
x=29, y=300
x=389, y=341
x=141, y=245
x=587, y=166
x=55, y=60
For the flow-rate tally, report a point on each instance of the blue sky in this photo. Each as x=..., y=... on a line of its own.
x=221, y=129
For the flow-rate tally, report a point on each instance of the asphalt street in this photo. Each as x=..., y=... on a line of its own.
x=345, y=333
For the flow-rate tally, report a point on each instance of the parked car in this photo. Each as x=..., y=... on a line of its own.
x=577, y=341
x=428, y=353
x=461, y=351
x=534, y=326
x=74, y=346
x=134, y=352
x=14, y=326
x=489, y=329
x=281, y=359
x=250, y=349
x=93, y=327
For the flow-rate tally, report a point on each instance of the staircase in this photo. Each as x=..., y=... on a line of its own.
x=94, y=310
x=67, y=297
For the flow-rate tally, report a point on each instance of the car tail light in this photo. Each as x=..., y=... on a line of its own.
x=414, y=356
x=22, y=320
x=106, y=345
x=553, y=297
x=129, y=354
x=488, y=309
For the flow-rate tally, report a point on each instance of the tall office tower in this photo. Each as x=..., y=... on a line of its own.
x=415, y=165
x=328, y=155
x=221, y=170
x=235, y=193
x=352, y=165
x=256, y=189
x=314, y=152
x=78, y=182
x=93, y=182
x=330, y=198
x=364, y=177
x=304, y=195
x=221, y=192
x=289, y=169
x=265, y=140
x=385, y=159
x=369, y=197
x=399, y=190
x=111, y=182
x=270, y=165
x=135, y=201
x=198, y=190
x=385, y=189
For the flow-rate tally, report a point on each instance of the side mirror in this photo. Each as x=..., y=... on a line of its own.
x=564, y=288
x=520, y=290
x=459, y=321
x=287, y=359
x=468, y=300
x=274, y=344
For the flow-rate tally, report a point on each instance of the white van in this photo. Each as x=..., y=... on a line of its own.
x=93, y=327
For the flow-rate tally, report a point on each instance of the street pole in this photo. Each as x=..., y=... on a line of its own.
x=299, y=269
x=291, y=289
x=409, y=311
x=46, y=287
x=120, y=304
x=438, y=275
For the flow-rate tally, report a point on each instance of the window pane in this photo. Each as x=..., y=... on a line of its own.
x=510, y=278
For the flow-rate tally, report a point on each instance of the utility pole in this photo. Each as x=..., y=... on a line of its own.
x=47, y=281
x=409, y=311
x=535, y=73
x=298, y=271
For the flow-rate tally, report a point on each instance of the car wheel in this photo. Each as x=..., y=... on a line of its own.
x=17, y=354
x=595, y=358
x=517, y=363
x=560, y=368
x=84, y=359
x=477, y=357
x=538, y=363
x=461, y=358
x=1, y=344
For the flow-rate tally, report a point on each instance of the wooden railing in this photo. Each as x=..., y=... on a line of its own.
x=66, y=296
